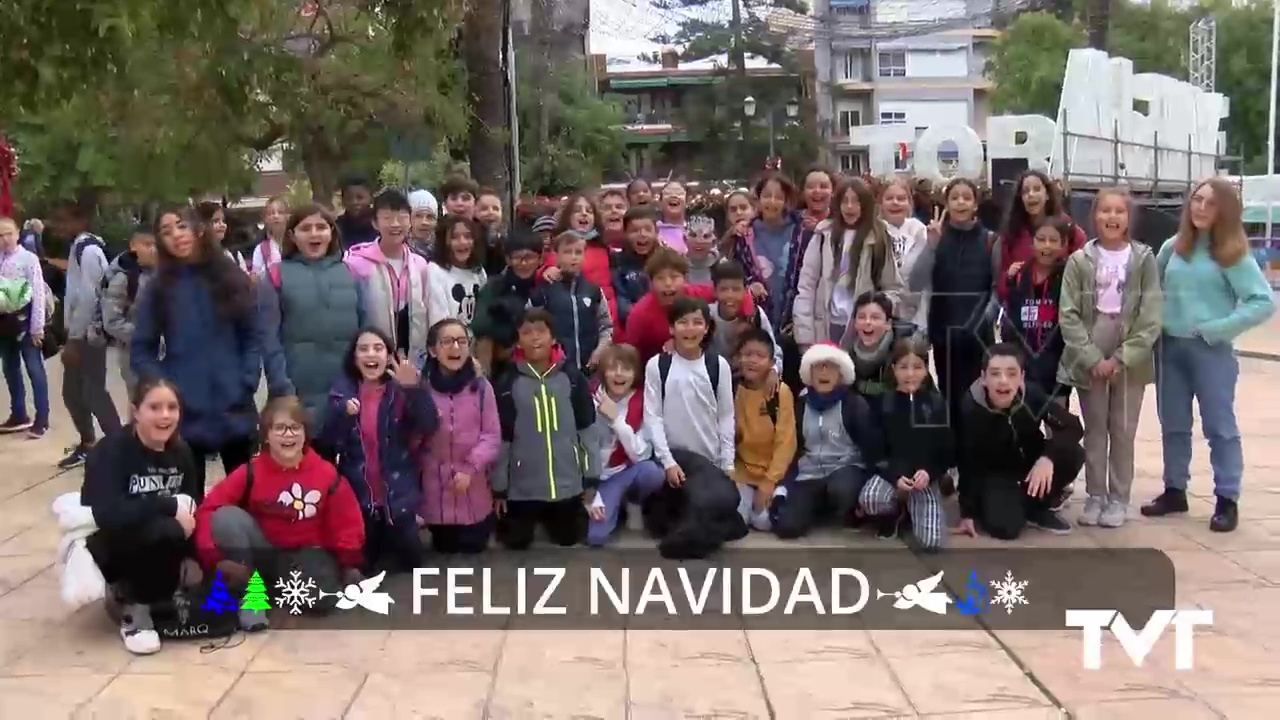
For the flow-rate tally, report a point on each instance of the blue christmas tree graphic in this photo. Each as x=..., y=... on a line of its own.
x=218, y=600
x=975, y=597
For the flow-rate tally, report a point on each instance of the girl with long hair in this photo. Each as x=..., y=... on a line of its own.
x=310, y=306
x=214, y=216
x=1214, y=291
x=673, y=205
x=738, y=243
x=1035, y=198
x=582, y=218
x=456, y=272
x=197, y=326
x=275, y=224
x=849, y=255
x=909, y=238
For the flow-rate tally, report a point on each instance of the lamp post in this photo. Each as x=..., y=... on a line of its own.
x=749, y=107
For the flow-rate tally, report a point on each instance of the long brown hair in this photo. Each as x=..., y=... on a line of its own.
x=868, y=230
x=228, y=285
x=289, y=246
x=1227, y=241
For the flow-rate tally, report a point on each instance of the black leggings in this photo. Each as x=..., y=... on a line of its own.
x=564, y=520
x=233, y=453
x=461, y=539
x=391, y=543
x=143, y=563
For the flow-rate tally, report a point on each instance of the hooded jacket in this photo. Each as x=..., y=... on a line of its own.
x=1031, y=314
x=860, y=426
x=86, y=266
x=546, y=421
x=598, y=263
x=466, y=441
x=1002, y=445
x=117, y=304
x=820, y=273
x=499, y=306
x=310, y=310
x=580, y=316
x=910, y=240
x=382, y=296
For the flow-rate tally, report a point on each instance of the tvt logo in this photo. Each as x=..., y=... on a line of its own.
x=1138, y=644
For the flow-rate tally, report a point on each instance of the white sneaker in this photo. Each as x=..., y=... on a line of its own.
x=1093, y=508
x=138, y=632
x=760, y=521
x=635, y=517
x=1114, y=515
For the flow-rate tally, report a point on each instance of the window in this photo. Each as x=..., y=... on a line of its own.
x=851, y=163
x=851, y=7
x=849, y=119
x=853, y=66
x=893, y=118
x=893, y=64
x=902, y=162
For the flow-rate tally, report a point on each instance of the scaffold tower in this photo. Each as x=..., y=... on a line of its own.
x=1202, y=59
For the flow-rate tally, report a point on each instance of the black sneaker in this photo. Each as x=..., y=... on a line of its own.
x=887, y=526
x=37, y=431
x=14, y=424
x=1169, y=502
x=1226, y=515
x=1050, y=522
x=75, y=458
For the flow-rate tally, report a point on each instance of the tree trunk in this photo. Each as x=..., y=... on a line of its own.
x=322, y=167
x=482, y=40
x=1098, y=21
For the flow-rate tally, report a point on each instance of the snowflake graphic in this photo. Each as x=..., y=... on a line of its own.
x=295, y=593
x=1009, y=592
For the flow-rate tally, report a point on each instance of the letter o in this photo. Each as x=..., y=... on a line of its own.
x=968, y=146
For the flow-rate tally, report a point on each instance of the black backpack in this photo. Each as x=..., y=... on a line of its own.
x=711, y=360
x=248, y=484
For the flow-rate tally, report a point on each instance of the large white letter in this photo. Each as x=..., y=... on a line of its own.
x=420, y=592
x=882, y=143
x=864, y=591
x=486, y=599
x=775, y=591
x=600, y=581
x=699, y=603
x=804, y=590
x=656, y=590
x=1184, y=650
x=1092, y=622
x=1138, y=645
x=1002, y=140
x=968, y=148
x=451, y=606
x=540, y=607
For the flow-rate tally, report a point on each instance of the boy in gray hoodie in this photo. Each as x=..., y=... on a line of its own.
x=546, y=472
x=125, y=279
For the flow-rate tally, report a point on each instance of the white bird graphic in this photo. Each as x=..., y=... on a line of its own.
x=921, y=595
x=364, y=594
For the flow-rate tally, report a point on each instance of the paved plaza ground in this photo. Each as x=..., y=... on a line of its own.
x=54, y=663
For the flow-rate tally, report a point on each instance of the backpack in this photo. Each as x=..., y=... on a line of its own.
x=770, y=406
x=132, y=272
x=83, y=242
x=15, y=307
x=711, y=360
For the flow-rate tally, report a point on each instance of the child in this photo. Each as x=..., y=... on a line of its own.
x=688, y=410
x=582, y=218
x=459, y=192
x=22, y=326
x=766, y=426
x=848, y=256
x=700, y=244
x=356, y=223
x=378, y=418
x=457, y=504
x=838, y=445
x=1012, y=472
x=580, y=315
x=630, y=282
x=959, y=269
x=422, y=223
x=455, y=277
x=1035, y=199
x=726, y=311
x=286, y=505
x=648, y=326
x=393, y=279
x=275, y=218
x=1031, y=308
x=738, y=243
x=613, y=208
x=872, y=351
x=1111, y=304
x=919, y=448
x=544, y=227
x=544, y=474
x=909, y=238
x=629, y=474
x=503, y=300
x=639, y=193
x=489, y=210
x=128, y=275
x=672, y=200
x=489, y=241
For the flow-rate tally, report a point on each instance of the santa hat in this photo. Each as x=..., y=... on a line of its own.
x=827, y=352
x=424, y=200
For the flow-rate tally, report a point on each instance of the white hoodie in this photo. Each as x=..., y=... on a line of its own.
x=909, y=241
x=451, y=292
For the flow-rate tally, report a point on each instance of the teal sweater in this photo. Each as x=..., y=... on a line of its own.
x=1215, y=303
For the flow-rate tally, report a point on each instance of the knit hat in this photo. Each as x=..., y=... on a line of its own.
x=424, y=200
x=546, y=223
x=826, y=352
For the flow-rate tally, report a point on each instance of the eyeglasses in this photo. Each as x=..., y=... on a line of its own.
x=525, y=259
x=286, y=430
x=457, y=342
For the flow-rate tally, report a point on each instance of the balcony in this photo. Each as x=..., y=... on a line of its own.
x=654, y=127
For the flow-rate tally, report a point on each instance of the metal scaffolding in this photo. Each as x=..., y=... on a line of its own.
x=1202, y=60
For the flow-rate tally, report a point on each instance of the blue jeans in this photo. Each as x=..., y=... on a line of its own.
x=17, y=353
x=1189, y=368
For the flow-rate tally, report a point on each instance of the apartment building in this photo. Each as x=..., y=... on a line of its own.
x=898, y=62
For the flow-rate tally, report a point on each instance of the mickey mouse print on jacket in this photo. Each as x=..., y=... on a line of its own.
x=452, y=292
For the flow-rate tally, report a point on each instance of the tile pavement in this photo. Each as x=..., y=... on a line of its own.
x=57, y=664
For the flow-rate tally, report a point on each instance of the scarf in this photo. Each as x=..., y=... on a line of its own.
x=450, y=383
x=822, y=402
x=634, y=418
x=589, y=235
x=870, y=361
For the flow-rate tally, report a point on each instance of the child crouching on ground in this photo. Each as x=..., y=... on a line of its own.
x=919, y=448
x=630, y=475
x=766, y=427
x=838, y=445
x=378, y=419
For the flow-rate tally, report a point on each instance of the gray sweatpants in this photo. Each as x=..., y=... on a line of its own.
x=84, y=391
x=1110, y=410
x=238, y=538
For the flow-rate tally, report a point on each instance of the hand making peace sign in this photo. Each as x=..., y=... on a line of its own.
x=406, y=374
x=936, y=225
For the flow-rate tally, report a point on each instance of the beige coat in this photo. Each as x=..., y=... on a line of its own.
x=818, y=277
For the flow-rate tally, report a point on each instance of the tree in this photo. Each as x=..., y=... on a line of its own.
x=255, y=594
x=1244, y=55
x=570, y=134
x=1098, y=22
x=1028, y=63
x=218, y=600
x=483, y=39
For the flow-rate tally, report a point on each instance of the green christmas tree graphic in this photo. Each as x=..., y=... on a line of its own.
x=255, y=595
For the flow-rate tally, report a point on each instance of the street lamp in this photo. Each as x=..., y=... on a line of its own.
x=749, y=106
x=749, y=110
x=793, y=109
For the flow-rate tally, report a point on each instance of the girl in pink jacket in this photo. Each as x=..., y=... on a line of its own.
x=457, y=504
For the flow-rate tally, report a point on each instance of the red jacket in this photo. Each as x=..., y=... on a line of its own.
x=1021, y=248
x=647, y=327
x=596, y=268
x=307, y=506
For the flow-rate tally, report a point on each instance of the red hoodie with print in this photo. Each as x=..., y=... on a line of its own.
x=648, y=329
x=307, y=506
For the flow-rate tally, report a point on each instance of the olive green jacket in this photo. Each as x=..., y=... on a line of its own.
x=1140, y=316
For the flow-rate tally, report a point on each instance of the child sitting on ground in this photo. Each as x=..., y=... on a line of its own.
x=1012, y=473
x=579, y=310
x=764, y=414
x=630, y=475
x=919, y=448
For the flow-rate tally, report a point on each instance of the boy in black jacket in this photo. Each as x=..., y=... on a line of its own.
x=1031, y=305
x=838, y=445
x=583, y=324
x=1012, y=473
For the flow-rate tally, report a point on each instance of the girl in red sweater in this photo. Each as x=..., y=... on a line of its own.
x=287, y=507
x=1036, y=197
x=581, y=217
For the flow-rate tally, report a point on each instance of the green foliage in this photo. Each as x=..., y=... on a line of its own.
x=569, y=135
x=1028, y=63
x=1243, y=75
